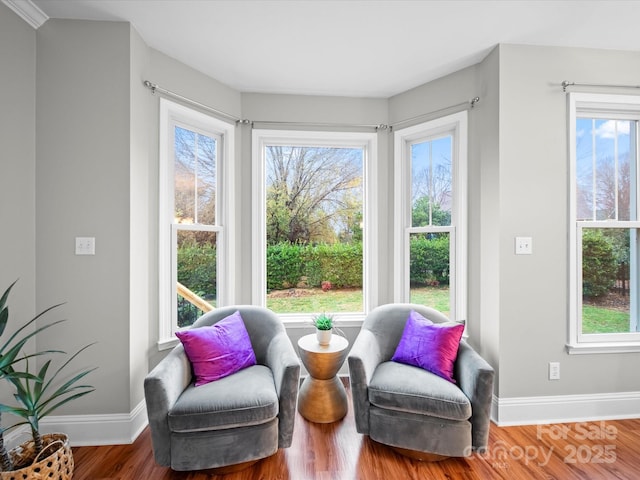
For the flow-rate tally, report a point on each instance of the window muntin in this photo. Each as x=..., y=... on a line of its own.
x=193, y=240
x=431, y=217
x=311, y=190
x=604, y=209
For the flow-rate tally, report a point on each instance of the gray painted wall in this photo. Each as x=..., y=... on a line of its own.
x=142, y=183
x=83, y=181
x=533, y=200
x=95, y=174
x=18, y=165
x=484, y=225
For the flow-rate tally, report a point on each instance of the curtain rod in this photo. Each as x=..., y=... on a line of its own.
x=566, y=84
x=380, y=126
x=469, y=103
x=156, y=88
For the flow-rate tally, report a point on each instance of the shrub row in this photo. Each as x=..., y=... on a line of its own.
x=429, y=260
x=289, y=265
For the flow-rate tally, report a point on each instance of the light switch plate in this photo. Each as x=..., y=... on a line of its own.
x=524, y=245
x=85, y=245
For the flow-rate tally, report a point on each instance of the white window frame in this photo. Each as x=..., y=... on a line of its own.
x=595, y=106
x=368, y=142
x=173, y=114
x=455, y=125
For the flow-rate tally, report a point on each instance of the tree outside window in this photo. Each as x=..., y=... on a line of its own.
x=314, y=228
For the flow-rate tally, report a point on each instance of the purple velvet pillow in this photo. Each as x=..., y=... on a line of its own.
x=218, y=350
x=428, y=345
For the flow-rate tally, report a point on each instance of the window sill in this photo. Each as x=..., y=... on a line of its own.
x=291, y=322
x=602, y=347
x=167, y=343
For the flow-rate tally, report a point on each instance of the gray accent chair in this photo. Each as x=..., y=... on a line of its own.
x=408, y=408
x=233, y=421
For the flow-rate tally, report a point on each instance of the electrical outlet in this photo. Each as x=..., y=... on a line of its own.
x=554, y=370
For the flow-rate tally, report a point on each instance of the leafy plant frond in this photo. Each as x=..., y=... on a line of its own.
x=4, y=311
x=67, y=400
x=35, y=393
x=323, y=321
x=36, y=331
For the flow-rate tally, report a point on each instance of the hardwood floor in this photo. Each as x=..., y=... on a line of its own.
x=594, y=450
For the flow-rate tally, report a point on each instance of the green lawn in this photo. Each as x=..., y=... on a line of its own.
x=603, y=320
x=314, y=300
x=434, y=297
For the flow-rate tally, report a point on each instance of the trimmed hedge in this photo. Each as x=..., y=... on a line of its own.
x=289, y=265
x=429, y=260
x=285, y=263
x=340, y=264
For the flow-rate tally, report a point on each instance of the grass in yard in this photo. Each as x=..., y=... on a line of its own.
x=314, y=300
x=604, y=320
x=434, y=297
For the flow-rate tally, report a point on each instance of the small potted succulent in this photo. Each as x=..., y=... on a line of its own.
x=37, y=394
x=324, y=327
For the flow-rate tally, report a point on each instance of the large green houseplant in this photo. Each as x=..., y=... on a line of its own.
x=37, y=394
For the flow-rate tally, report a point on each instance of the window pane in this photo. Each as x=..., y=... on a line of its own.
x=195, y=177
x=604, y=183
x=429, y=270
x=609, y=280
x=431, y=182
x=196, y=259
x=314, y=214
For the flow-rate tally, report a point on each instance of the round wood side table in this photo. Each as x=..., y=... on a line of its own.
x=322, y=398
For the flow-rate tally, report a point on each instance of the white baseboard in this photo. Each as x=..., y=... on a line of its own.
x=90, y=430
x=565, y=408
x=119, y=429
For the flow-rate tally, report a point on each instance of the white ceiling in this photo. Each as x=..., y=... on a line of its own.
x=365, y=48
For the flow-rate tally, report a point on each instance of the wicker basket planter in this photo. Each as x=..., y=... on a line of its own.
x=57, y=465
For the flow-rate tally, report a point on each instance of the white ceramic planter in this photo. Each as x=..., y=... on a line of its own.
x=323, y=336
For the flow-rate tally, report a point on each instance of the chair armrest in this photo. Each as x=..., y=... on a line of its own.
x=281, y=358
x=162, y=387
x=363, y=359
x=475, y=377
